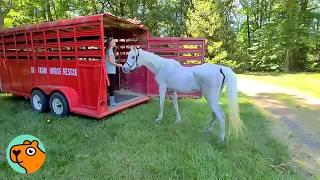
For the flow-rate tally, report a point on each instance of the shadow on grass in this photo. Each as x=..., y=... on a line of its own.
x=299, y=116
x=276, y=74
x=262, y=73
x=10, y=97
x=292, y=101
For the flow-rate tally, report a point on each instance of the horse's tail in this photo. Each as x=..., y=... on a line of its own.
x=235, y=123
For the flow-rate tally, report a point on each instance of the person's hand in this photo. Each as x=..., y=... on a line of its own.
x=119, y=65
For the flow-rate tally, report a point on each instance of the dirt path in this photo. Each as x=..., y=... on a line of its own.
x=295, y=121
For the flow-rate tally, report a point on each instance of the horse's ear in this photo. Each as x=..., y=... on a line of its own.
x=133, y=48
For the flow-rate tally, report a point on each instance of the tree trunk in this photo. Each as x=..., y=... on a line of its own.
x=291, y=31
x=1, y=21
x=43, y=11
x=261, y=13
x=248, y=30
x=270, y=10
x=143, y=10
x=48, y=11
x=122, y=9
x=287, y=61
x=55, y=13
x=303, y=12
x=246, y=7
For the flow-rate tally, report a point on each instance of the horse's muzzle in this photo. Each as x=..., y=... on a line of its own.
x=125, y=69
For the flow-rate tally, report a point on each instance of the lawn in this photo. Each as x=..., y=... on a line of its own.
x=130, y=145
x=305, y=82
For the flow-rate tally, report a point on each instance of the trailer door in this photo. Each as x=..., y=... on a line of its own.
x=5, y=83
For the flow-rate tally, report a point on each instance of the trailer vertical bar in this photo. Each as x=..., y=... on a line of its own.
x=77, y=58
x=103, y=74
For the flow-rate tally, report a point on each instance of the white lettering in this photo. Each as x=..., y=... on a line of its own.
x=70, y=72
x=32, y=70
x=55, y=71
x=42, y=70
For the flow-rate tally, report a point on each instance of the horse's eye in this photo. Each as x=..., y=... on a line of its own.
x=132, y=57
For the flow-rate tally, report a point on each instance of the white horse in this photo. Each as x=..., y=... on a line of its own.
x=207, y=78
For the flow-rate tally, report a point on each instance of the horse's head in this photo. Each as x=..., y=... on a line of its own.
x=132, y=61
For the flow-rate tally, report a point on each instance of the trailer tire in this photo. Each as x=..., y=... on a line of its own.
x=59, y=104
x=39, y=101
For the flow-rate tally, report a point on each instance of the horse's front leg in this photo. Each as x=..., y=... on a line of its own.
x=176, y=107
x=162, y=93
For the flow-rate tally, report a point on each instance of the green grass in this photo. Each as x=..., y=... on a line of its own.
x=130, y=145
x=304, y=82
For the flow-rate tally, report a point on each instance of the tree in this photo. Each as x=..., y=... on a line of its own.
x=5, y=7
x=257, y=35
x=210, y=19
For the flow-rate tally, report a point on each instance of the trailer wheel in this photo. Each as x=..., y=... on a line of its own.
x=59, y=104
x=39, y=101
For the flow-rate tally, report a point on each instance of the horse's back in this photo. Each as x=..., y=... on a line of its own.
x=208, y=74
x=207, y=69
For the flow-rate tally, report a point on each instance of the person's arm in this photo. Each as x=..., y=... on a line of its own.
x=111, y=58
x=113, y=61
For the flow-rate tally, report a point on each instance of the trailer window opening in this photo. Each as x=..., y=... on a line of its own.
x=52, y=40
x=41, y=49
x=53, y=58
x=68, y=58
x=12, y=57
x=51, y=34
x=21, y=44
x=89, y=58
x=53, y=49
x=69, y=39
x=40, y=58
x=67, y=49
x=23, y=57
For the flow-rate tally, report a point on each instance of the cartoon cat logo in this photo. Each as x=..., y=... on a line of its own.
x=27, y=155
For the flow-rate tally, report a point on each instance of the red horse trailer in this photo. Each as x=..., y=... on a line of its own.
x=60, y=65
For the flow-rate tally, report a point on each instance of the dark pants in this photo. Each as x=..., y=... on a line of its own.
x=112, y=79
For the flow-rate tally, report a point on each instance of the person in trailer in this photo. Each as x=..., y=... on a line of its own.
x=111, y=64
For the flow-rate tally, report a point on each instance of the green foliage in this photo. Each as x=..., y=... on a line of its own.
x=207, y=19
x=255, y=35
x=230, y=63
x=165, y=17
x=284, y=35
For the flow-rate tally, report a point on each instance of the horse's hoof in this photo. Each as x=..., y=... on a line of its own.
x=206, y=131
x=178, y=121
x=222, y=140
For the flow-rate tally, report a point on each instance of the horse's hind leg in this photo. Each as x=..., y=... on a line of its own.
x=220, y=115
x=176, y=107
x=215, y=107
x=212, y=124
